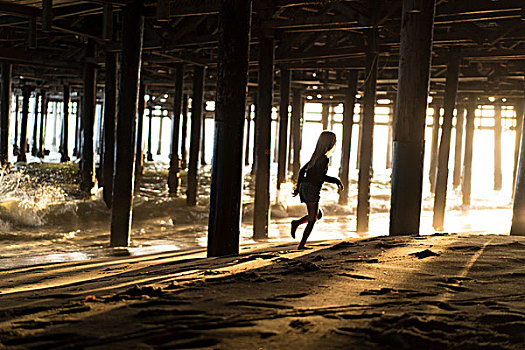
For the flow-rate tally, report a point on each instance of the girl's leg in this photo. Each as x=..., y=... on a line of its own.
x=313, y=212
x=303, y=220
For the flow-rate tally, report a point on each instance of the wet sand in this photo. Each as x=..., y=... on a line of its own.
x=432, y=292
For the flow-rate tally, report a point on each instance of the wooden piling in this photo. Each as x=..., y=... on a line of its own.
x=389, y=142
x=15, y=141
x=88, y=121
x=78, y=128
x=410, y=118
x=203, y=137
x=184, y=133
x=64, y=135
x=159, y=145
x=297, y=108
x=26, y=95
x=324, y=115
x=434, y=148
x=195, y=135
x=348, y=123
x=149, y=154
x=451, y=88
x=518, y=131
x=467, y=160
x=42, y=129
x=5, y=111
x=123, y=181
x=497, y=147
x=248, y=132
x=367, y=133
x=283, y=125
x=110, y=121
x=263, y=138
x=34, y=145
x=460, y=120
x=173, y=173
x=230, y=108
x=139, y=152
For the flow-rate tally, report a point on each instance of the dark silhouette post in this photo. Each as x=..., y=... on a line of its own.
x=123, y=181
x=248, y=132
x=26, y=95
x=451, y=88
x=184, y=133
x=263, y=128
x=297, y=110
x=389, y=142
x=410, y=118
x=460, y=120
x=203, y=136
x=497, y=147
x=434, y=148
x=139, y=153
x=159, y=146
x=195, y=135
x=34, y=142
x=5, y=111
x=110, y=121
x=88, y=121
x=348, y=124
x=283, y=125
x=518, y=132
x=325, y=113
x=367, y=134
x=78, y=127
x=173, y=173
x=149, y=155
x=230, y=109
x=467, y=160
x=64, y=135
x=15, y=141
x=42, y=130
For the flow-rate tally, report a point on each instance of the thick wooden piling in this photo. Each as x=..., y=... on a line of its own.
x=195, y=135
x=184, y=133
x=297, y=110
x=451, y=88
x=173, y=173
x=5, y=111
x=467, y=160
x=458, y=152
x=203, y=137
x=283, y=125
x=348, y=123
x=324, y=115
x=518, y=131
x=64, y=135
x=22, y=150
x=123, y=181
x=230, y=109
x=139, y=152
x=88, y=121
x=263, y=138
x=410, y=118
x=34, y=142
x=434, y=148
x=110, y=121
x=367, y=134
x=149, y=154
x=42, y=129
x=497, y=147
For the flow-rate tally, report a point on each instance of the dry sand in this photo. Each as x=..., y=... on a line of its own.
x=431, y=292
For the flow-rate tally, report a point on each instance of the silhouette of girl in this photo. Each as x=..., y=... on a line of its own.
x=311, y=179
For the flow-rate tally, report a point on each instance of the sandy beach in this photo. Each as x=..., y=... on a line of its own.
x=434, y=292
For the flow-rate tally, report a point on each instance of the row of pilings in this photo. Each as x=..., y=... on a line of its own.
x=123, y=119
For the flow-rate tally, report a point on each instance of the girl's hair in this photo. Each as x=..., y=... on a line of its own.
x=325, y=144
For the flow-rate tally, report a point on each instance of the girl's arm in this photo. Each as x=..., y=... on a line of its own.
x=333, y=180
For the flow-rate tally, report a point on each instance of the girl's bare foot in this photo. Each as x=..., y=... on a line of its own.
x=294, y=228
